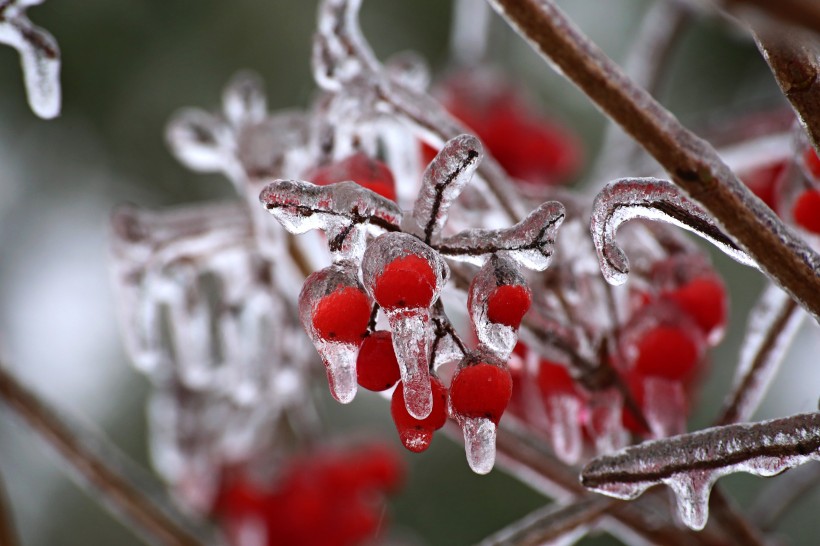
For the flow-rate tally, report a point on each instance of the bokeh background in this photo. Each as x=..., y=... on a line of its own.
x=127, y=66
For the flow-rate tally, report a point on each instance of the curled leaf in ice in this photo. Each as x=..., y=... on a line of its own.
x=443, y=182
x=529, y=242
x=39, y=56
x=653, y=199
x=344, y=211
x=691, y=463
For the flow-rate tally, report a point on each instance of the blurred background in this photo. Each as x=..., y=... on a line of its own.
x=127, y=66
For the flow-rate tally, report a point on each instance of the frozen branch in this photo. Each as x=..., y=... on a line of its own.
x=693, y=163
x=98, y=465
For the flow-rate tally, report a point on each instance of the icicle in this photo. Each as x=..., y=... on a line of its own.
x=564, y=426
x=479, y=441
x=39, y=56
x=630, y=198
x=692, y=463
x=410, y=341
x=665, y=406
x=530, y=242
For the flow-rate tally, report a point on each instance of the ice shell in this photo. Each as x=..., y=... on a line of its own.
x=411, y=343
x=479, y=442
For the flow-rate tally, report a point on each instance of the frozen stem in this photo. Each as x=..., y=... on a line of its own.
x=693, y=163
x=772, y=325
x=550, y=523
x=83, y=452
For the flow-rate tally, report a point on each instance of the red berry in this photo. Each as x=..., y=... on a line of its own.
x=481, y=390
x=376, y=366
x=508, y=304
x=812, y=161
x=668, y=352
x=807, y=211
x=763, y=182
x=380, y=467
x=361, y=169
x=416, y=434
x=704, y=298
x=406, y=282
x=342, y=315
x=554, y=379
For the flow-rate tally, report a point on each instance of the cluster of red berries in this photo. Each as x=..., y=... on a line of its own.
x=359, y=167
x=326, y=498
x=533, y=149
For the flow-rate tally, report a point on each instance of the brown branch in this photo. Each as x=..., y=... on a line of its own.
x=691, y=162
x=8, y=536
x=803, y=13
x=795, y=63
x=121, y=494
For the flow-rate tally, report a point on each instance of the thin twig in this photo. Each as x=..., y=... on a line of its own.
x=691, y=162
x=8, y=536
x=550, y=523
x=648, y=58
x=80, y=452
x=795, y=63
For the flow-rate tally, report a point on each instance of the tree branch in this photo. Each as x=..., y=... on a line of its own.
x=82, y=453
x=691, y=162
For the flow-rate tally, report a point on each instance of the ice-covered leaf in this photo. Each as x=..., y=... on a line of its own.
x=443, y=182
x=39, y=56
x=772, y=325
x=529, y=242
x=345, y=211
x=653, y=199
x=691, y=463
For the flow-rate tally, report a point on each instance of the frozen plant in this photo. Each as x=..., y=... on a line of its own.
x=414, y=239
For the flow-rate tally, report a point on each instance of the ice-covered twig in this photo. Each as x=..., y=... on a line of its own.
x=100, y=466
x=553, y=524
x=342, y=210
x=8, y=535
x=650, y=198
x=772, y=325
x=691, y=463
x=795, y=63
x=445, y=178
x=530, y=242
x=39, y=55
x=693, y=163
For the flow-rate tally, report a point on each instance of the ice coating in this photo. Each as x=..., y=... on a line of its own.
x=199, y=140
x=772, y=325
x=564, y=426
x=39, y=57
x=653, y=199
x=606, y=421
x=244, y=101
x=499, y=270
x=692, y=463
x=664, y=406
x=529, y=242
x=411, y=344
x=445, y=178
x=339, y=357
x=411, y=339
x=340, y=53
x=479, y=442
x=344, y=211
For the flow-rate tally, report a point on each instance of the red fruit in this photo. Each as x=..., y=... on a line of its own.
x=812, y=161
x=481, y=390
x=807, y=211
x=704, y=298
x=554, y=379
x=380, y=467
x=668, y=352
x=508, y=304
x=416, y=434
x=342, y=316
x=376, y=366
x=407, y=282
x=361, y=169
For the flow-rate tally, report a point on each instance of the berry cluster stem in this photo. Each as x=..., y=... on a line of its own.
x=693, y=164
